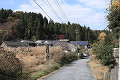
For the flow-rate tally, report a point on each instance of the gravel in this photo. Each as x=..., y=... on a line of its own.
x=77, y=70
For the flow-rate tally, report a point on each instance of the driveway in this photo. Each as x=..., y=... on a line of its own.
x=77, y=70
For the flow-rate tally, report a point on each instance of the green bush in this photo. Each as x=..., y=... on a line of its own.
x=68, y=57
x=104, y=52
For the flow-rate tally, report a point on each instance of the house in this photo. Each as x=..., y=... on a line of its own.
x=80, y=43
x=66, y=46
x=46, y=42
x=72, y=47
x=39, y=42
x=30, y=43
x=51, y=42
x=13, y=44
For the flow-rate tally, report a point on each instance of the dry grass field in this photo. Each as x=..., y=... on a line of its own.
x=34, y=61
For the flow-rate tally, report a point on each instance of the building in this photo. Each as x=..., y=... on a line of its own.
x=14, y=44
x=39, y=42
x=30, y=43
x=66, y=46
x=46, y=42
x=80, y=43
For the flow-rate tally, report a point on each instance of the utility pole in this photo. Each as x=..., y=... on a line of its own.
x=47, y=51
x=119, y=48
x=76, y=31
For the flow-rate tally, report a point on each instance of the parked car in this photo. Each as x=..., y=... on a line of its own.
x=84, y=55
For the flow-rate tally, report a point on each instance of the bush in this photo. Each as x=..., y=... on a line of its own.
x=68, y=57
x=104, y=52
x=10, y=66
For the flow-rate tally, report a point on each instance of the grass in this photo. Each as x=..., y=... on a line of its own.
x=97, y=68
x=35, y=64
x=38, y=75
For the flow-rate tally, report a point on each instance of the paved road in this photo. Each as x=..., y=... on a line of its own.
x=77, y=70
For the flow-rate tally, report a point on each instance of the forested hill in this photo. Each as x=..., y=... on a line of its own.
x=32, y=26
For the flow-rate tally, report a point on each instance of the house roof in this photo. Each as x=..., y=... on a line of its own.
x=49, y=42
x=79, y=42
x=53, y=41
x=65, y=45
x=16, y=44
x=71, y=46
x=62, y=44
x=26, y=41
x=39, y=41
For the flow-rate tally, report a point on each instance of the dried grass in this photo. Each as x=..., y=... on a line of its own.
x=97, y=68
x=34, y=56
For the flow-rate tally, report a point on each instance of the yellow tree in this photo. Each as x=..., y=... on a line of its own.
x=102, y=36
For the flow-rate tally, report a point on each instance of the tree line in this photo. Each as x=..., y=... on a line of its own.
x=33, y=26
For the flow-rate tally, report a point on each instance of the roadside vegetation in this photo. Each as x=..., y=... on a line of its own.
x=96, y=66
x=10, y=66
x=102, y=59
x=102, y=50
x=34, y=63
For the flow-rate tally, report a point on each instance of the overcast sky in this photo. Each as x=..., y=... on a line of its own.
x=91, y=13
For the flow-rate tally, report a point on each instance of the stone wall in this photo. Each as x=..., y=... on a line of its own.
x=114, y=71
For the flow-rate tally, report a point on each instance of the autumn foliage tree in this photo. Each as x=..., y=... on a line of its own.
x=103, y=50
x=102, y=36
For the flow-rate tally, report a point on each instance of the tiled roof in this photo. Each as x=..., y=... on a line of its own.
x=79, y=42
x=16, y=44
x=62, y=44
x=65, y=45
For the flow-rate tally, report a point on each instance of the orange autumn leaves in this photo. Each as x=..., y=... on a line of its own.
x=102, y=36
x=116, y=3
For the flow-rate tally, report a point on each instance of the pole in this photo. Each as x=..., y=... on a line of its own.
x=76, y=31
x=119, y=60
x=47, y=51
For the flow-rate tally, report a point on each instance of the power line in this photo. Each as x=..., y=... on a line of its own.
x=61, y=10
x=41, y=8
x=52, y=9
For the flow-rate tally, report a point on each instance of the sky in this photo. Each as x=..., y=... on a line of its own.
x=91, y=13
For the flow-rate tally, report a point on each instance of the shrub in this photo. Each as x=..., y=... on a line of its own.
x=104, y=52
x=10, y=66
x=68, y=57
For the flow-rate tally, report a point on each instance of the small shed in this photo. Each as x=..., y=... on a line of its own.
x=13, y=44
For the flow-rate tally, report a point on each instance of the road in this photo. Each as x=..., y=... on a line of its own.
x=77, y=70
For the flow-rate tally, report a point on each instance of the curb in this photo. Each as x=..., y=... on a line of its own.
x=41, y=78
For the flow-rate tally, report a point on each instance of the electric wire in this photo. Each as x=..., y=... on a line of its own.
x=61, y=10
x=52, y=9
x=42, y=9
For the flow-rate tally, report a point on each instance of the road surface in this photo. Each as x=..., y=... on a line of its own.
x=77, y=70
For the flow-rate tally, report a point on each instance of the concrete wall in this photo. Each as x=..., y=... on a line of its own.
x=114, y=71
